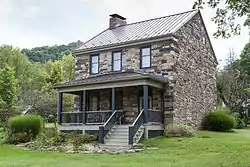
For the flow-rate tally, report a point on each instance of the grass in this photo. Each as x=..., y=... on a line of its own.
x=209, y=149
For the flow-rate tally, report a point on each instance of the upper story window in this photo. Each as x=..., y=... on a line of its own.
x=94, y=64
x=117, y=61
x=145, y=57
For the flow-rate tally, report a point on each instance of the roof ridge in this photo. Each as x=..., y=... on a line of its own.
x=158, y=18
x=103, y=38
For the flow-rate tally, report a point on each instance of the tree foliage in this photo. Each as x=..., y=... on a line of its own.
x=8, y=92
x=226, y=15
x=24, y=82
x=233, y=82
x=46, y=53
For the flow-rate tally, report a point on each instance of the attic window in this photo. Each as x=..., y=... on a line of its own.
x=191, y=29
x=204, y=40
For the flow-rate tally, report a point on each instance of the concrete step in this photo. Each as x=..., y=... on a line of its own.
x=119, y=129
x=121, y=126
x=119, y=133
x=124, y=137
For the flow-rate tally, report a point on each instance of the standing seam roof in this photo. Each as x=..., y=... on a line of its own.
x=139, y=31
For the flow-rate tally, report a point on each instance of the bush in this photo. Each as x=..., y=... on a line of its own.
x=78, y=139
x=240, y=124
x=1, y=135
x=51, y=137
x=178, y=130
x=23, y=128
x=219, y=120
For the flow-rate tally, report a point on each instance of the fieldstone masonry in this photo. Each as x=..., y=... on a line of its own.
x=187, y=60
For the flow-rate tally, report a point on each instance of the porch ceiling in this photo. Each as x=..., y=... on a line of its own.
x=114, y=79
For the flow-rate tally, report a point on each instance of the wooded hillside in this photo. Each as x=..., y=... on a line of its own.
x=46, y=53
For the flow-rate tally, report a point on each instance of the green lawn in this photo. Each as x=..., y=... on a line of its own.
x=210, y=149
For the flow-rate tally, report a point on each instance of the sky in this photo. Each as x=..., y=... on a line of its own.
x=32, y=23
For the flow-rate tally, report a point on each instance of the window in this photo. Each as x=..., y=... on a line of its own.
x=145, y=57
x=94, y=101
x=117, y=61
x=191, y=29
x=204, y=40
x=94, y=64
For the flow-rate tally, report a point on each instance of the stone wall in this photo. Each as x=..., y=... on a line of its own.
x=195, y=82
x=188, y=63
x=162, y=61
x=130, y=103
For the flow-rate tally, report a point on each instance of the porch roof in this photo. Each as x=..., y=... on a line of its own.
x=113, y=77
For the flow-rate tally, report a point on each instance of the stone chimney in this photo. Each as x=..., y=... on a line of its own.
x=116, y=20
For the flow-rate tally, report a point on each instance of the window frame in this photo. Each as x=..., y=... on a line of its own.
x=112, y=61
x=150, y=56
x=91, y=63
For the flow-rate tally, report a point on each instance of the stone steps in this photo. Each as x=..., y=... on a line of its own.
x=117, y=138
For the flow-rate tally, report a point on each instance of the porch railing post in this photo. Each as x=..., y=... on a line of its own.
x=113, y=99
x=84, y=107
x=80, y=107
x=101, y=134
x=162, y=104
x=145, y=103
x=59, y=108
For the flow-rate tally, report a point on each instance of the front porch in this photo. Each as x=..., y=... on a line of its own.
x=94, y=107
x=136, y=101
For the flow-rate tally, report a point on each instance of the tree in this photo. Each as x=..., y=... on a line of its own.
x=8, y=92
x=15, y=59
x=52, y=73
x=46, y=53
x=68, y=67
x=233, y=84
x=226, y=15
x=46, y=104
x=245, y=60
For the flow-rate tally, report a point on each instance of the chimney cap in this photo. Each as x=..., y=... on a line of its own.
x=117, y=16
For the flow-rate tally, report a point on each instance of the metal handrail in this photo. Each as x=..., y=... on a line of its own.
x=111, y=116
x=103, y=129
x=137, y=118
x=132, y=130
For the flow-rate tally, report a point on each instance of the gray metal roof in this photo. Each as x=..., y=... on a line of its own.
x=113, y=77
x=147, y=29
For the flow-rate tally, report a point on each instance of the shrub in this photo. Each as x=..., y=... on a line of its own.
x=23, y=128
x=51, y=137
x=219, y=120
x=240, y=124
x=78, y=139
x=179, y=130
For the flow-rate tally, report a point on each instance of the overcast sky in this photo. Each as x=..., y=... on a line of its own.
x=31, y=23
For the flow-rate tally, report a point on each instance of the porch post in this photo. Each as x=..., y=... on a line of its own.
x=59, y=108
x=84, y=106
x=162, y=104
x=113, y=100
x=80, y=107
x=145, y=103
